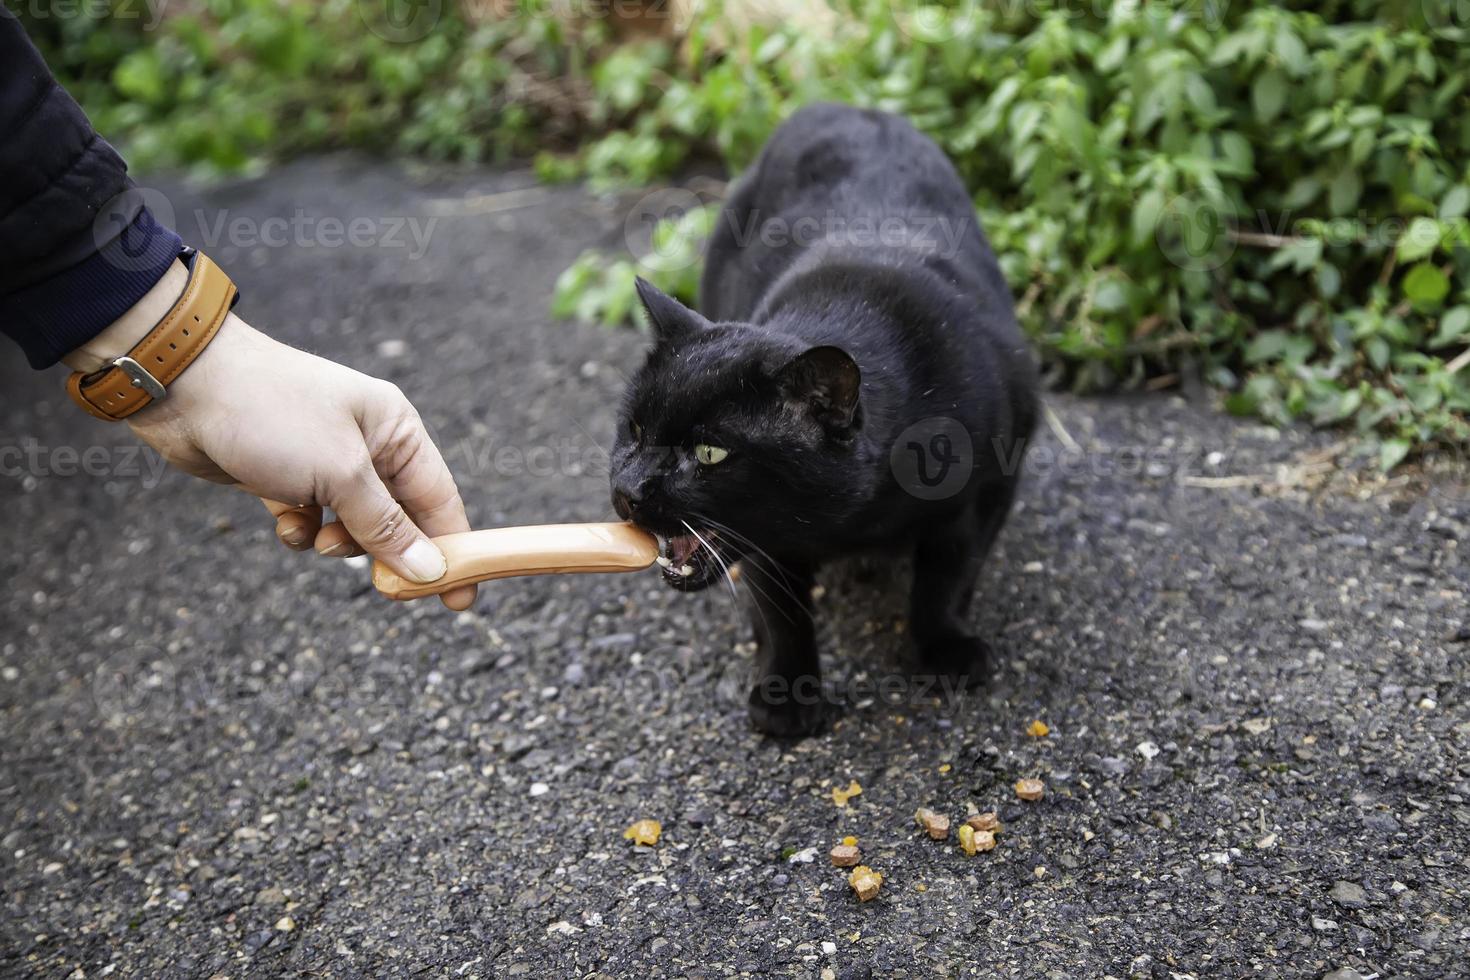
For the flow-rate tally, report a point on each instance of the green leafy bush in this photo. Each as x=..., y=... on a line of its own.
x=1271, y=196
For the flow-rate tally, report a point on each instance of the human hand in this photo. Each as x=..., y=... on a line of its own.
x=304, y=434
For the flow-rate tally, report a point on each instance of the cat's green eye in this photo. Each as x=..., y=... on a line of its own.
x=709, y=455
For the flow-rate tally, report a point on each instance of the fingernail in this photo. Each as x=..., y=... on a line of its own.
x=424, y=562
x=339, y=550
x=295, y=537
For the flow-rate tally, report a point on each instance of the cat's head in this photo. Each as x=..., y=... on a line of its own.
x=732, y=440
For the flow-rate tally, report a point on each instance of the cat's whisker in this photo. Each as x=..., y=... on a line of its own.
x=778, y=579
x=724, y=566
x=778, y=567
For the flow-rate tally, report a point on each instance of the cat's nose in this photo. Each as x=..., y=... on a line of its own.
x=627, y=502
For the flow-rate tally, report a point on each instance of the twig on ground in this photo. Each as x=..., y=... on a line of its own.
x=1060, y=431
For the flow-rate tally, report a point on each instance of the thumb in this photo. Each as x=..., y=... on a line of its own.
x=377, y=522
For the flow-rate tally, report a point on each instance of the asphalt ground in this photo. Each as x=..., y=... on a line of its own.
x=223, y=759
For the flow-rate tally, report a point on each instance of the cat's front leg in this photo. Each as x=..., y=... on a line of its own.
x=786, y=699
x=947, y=562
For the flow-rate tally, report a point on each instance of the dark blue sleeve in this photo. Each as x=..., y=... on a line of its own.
x=62, y=312
x=77, y=248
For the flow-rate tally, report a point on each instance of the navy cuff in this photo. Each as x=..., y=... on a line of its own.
x=55, y=316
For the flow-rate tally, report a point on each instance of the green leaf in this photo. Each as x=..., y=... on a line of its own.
x=1391, y=452
x=1426, y=285
x=1454, y=328
x=1146, y=215
x=1455, y=203
x=1344, y=191
x=1419, y=240
x=1268, y=345
x=1292, y=52
x=141, y=76
x=1268, y=95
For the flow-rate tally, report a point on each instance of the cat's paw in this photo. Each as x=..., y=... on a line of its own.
x=785, y=717
x=964, y=661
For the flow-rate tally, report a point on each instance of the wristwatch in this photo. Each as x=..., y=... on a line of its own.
x=142, y=375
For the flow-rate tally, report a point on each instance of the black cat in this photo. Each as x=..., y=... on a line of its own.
x=856, y=381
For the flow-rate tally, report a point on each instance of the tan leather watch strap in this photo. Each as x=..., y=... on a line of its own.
x=142, y=376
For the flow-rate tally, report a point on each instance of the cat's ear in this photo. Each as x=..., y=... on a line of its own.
x=827, y=380
x=671, y=319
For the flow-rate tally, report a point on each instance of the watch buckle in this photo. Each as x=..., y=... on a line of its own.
x=141, y=378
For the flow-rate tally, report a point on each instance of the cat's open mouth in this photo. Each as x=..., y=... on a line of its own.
x=693, y=561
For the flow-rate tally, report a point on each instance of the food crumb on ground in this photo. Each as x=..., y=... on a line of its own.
x=985, y=821
x=644, y=832
x=866, y=882
x=1038, y=729
x=841, y=796
x=1030, y=789
x=936, y=825
x=846, y=856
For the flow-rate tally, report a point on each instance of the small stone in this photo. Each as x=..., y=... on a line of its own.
x=936, y=825
x=270, y=896
x=1346, y=973
x=1323, y=925
x=392, y=348
x=1030, y=789
x=1033, y=568
x=829, y=948
x=1148, y=750
x=539, y=789
x=285, y=924
x=846, y=856
x=1348, y=894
